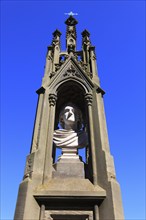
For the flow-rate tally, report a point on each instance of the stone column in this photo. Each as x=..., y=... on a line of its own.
x=88, y=98
x=49, y=145
x=96, y=212
x=42, y=212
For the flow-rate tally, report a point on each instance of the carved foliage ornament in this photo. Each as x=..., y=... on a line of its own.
x=88, y=98
x=52, y=99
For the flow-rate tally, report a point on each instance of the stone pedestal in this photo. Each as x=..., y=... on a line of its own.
x=66, y=168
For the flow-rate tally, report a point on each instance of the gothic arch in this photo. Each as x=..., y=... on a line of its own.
x=84, y=84
x=71, y=91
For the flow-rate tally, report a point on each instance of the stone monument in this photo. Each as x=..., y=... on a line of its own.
x=70, y=117
x=70, y=138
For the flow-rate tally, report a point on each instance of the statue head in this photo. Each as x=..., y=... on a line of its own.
x=70, y=117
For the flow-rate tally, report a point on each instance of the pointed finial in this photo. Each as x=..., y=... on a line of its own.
x=71, y=13
x=71, y=21
x=56, y=32
x=85, y=33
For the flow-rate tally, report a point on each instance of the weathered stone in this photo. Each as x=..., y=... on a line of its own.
x=70, y=188
x=67, y=168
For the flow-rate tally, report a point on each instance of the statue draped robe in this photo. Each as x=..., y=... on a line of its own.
x=70, y=138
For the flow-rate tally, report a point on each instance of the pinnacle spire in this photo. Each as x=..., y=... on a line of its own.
x=71, y=21
x=71, y=34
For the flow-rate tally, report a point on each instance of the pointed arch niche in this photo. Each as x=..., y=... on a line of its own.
x=71, y=91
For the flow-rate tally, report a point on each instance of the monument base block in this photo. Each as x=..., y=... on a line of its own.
x=66, y=168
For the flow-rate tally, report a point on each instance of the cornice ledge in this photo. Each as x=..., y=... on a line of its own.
x=99, y=90
x=41, y=90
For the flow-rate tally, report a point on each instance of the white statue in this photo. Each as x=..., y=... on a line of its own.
x=70, y=137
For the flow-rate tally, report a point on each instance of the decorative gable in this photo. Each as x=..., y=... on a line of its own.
x=71, y=71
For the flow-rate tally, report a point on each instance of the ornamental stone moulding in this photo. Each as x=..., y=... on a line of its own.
x=71, y=71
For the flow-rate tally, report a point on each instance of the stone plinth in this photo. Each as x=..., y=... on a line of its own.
x=66, y=168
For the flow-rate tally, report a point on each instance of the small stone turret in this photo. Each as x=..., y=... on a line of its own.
x=71, y=34
x=85, y=46
x=56, y=47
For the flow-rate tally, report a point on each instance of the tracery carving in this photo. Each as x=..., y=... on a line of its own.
x=71, y=71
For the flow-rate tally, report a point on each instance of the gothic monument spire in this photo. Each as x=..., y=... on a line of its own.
x=70, y=116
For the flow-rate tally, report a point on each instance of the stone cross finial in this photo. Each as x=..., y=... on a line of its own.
x=71, y=13
x=71, y=21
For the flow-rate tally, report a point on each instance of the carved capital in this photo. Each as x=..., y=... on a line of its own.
x=52, y=99
x=88, y=98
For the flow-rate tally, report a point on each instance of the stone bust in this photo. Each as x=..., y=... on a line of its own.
x=70, y=117
x=71, y=135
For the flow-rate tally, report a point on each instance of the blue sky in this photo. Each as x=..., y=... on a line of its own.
x=117, y=31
